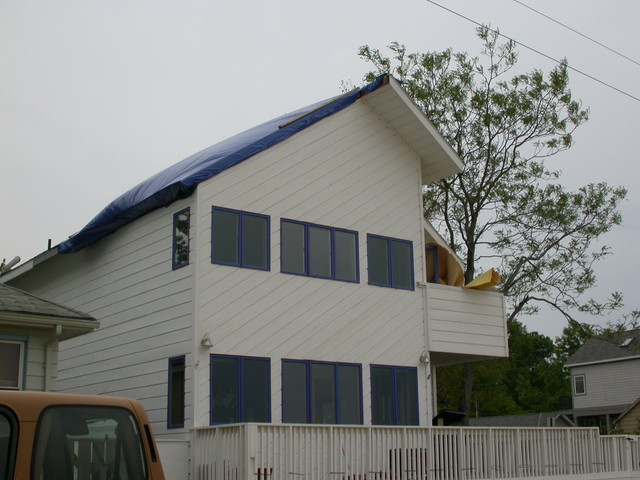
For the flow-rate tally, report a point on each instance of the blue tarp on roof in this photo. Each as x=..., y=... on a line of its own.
x=181, y=179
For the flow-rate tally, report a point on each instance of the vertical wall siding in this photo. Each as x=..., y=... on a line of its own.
x=144, y=308
x=351, y=172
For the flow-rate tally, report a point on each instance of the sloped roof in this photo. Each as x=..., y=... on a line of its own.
x=181, y=179
x=605, y=349
x=17, y=302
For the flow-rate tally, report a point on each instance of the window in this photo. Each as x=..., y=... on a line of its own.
x=240, y=389
x=11, y=364
x=390, y=262
x=8, y=443
x=320, y=392
x=88, y=442
x=240, y=239
x=579, y=385
x=175, y=408
x=181, y=238
x=319, y=251
x=394, y=395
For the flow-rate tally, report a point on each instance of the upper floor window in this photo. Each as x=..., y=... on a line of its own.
x=240, y=238
x=579, y=385
x=319, y=251
x=390, y=262
x=240, y=389
x=12, y=361
x=181, y=238
x=175, y=408
x=394, y=395
x=321, y=392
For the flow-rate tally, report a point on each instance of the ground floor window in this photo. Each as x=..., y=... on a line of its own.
x=394, y=395
x=11, y=364
x=321, y=392
x=240, y=389
x=175, y=410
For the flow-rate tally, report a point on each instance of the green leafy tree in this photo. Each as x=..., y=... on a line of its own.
x=507, y=206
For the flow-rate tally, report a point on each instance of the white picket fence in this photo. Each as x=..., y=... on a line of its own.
x=318, y=452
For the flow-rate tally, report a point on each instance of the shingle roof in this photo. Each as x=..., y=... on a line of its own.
x=18, y=302
x=602, y=349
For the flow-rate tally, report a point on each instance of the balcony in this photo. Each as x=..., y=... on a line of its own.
x=315, y=452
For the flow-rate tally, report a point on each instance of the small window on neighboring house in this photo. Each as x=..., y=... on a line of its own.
x=11, y=364
x=321, y=392
x=390, y=262
x=319, y=251
x=579, y=385
x=181, y=238
x=240, y=389
x=176, y=390
x=394, y=395
x=240, y=239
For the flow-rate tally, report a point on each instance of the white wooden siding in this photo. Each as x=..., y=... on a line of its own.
x=144, y=307
x=351, y=172
x=608, y=384
x=465, y=321
x=35, y=353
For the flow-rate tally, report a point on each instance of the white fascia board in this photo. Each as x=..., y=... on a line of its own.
x=598, y=362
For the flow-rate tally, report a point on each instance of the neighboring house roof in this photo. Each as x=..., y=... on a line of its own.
x=181, y=179
x=544, y=419
x=21, y=309
x=601, y=349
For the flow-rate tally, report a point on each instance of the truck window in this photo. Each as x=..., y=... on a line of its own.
x=88, y=443
x=8, y=441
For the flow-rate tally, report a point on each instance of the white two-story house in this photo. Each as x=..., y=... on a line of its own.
x=284, y=275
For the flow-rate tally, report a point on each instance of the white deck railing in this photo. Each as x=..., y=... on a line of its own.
x=316, y=452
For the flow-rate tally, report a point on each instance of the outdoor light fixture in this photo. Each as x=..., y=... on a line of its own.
x=206, y=341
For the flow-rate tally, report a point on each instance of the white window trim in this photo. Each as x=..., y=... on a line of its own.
x=20, y=364
x=584, y=384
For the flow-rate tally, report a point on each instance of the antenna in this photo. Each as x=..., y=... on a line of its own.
x=10, y=264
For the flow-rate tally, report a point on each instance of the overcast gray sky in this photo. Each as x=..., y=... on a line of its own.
x=97, y=96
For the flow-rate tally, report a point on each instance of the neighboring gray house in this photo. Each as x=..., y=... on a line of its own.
x=605, y=378
x=30, y=329
x=543, y=419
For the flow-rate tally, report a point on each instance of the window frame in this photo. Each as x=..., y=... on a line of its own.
x=170, y=385
x=575, y=384
x=307, y=251
x=12, y=446
x=239, y=386
x=391, y=282
x=22, y=359
x=239, y=243
x=394, y=369
x=174, y=264
x=336, y=390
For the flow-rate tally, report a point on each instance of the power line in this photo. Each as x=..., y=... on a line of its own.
x=579, y=33
x=537, y=51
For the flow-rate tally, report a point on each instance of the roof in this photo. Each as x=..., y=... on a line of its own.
x=601, y=349
x=180, y=180
x=560, y=418
x=17, y=302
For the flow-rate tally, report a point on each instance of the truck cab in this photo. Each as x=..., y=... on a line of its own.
x=52, y=436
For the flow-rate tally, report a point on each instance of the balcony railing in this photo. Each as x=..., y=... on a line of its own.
x=310, y=452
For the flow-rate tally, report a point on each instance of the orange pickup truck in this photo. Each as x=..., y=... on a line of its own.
x=52, y=436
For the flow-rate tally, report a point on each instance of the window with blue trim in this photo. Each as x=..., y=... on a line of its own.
x=240, y=389
x=321, y=392
x=390, y=262
x=394, y=395
x=12, y=360
x=240, y=238
x=318, y=251
x=181, y=221
x=176, y=392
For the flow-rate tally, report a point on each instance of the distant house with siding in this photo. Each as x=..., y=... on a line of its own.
x=605, y=378
x=284, y=275
x=30, y=330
